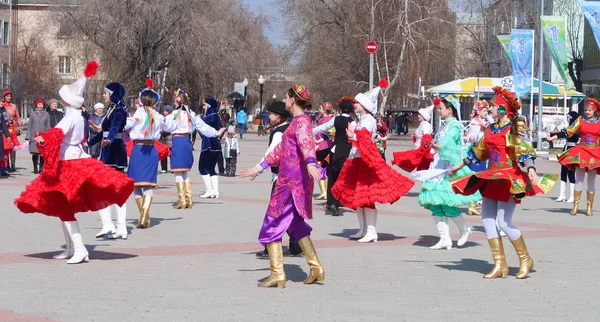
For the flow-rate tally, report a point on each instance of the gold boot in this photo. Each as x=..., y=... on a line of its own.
x=590, y=203
x=323, y=186
x=500, y=267
x=180, y=196
x=276, y=260
x=316, y=271
x=188, y=195
x=139, y=202
x=146, y=203
x=473, y=211
x=525, y=261
x=576, y=199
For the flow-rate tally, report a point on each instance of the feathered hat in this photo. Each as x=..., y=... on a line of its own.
x=72, y=94
x=506, y=101
x=149, y=91
x=369, y=99
x=427, y=111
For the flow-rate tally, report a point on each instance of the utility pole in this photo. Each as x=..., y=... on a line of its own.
x=371, y=38
x=540, y=80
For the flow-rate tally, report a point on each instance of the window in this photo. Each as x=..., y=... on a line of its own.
x=5, y=32
x=64, y=31
x=5, y=77
x=64, y=65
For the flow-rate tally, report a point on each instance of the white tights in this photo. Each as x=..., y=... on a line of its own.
x=138, y=192
x=591, y=180
x=181, y=177
x=503, y=211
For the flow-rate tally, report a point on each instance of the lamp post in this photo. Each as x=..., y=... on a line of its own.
x=245, y=82
x=261, y=82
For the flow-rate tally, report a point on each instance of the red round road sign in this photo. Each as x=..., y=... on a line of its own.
x=371, y=47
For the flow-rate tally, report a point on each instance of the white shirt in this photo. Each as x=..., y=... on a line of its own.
x=72, y=125
x=330, y=125
x=368, y=122
x=423, y=129
x=160, y=123
x=277, y=137
x=180, y=117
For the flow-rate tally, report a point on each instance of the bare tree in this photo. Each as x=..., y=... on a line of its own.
x=574, y=33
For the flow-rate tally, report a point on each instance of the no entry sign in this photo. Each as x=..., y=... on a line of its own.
x=371, y=47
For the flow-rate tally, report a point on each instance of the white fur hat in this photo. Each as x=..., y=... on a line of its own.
x=426, y=112
x=98, y=105
x=72, y=94
x=369, y=99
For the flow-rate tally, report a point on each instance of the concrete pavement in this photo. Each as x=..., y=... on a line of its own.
x=199, y=264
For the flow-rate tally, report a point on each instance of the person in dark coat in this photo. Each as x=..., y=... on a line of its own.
x=39, y=122
x=97, y=119
x=55, y=114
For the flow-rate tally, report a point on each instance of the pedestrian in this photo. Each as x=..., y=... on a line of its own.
x=232, y=151
x=10, y=141
x=55, y=114
x=241, y=119
x=291, y=200
x=566, y=174
x=72, y=181
x=166, y=138
x=97, y=119
x=211, y=148
x=366, y=178
x=507, y=146
x=14, y=124
x=39, y=122
x=113, y=154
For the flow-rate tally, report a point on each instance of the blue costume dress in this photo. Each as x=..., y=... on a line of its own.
x=211, y=147
x=114, y=154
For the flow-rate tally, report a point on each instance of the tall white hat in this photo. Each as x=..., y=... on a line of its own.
x=369, y=99
x=72, y=94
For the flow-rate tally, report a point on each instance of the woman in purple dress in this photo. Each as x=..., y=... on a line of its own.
x=291, y=199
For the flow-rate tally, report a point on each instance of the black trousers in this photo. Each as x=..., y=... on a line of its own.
x=333, y=172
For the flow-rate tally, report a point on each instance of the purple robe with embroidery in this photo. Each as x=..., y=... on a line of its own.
x=293, y=155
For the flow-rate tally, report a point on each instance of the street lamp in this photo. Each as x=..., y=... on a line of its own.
x=274, y=97
x=261, y=82
x=245, y=82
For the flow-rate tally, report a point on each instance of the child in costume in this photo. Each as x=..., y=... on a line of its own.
x=291, y=200
x=420, y=157
x=72, y=181
x=507, y=147
x=566, y=174
x=436, y=194
x=366, y=178
x=585, y=157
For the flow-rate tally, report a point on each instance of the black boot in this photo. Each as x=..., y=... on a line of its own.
x=41, y=164
x=13, y=160
x=335, y=211
x=294, y=249
x=264, y=254
x=35, y=158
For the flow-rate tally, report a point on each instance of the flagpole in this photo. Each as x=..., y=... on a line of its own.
x=540, y=80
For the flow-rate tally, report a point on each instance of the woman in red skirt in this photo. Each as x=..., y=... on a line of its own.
x=585, y=157
x=72, y=181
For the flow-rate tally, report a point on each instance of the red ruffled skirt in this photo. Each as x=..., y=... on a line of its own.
x=81, y=185
x=418, y=159
x=580, y=157
x=502, y=184
x=367, y=180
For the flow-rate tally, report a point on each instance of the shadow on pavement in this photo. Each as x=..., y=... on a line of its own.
x=476, y=265
x=428, y=241
x=94, y=254
x=293, y=272
x=380, y=236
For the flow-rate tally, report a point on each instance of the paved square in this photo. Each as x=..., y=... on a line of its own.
x=199, y=264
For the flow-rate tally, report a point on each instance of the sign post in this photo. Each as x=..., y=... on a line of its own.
x=371, y=48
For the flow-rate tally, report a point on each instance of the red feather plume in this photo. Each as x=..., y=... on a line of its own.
x=436, y=102
x=149, y=83
x=383, y=83
x=90, y=69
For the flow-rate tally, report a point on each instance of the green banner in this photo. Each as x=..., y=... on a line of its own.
x=554, y=28
x=505, y=42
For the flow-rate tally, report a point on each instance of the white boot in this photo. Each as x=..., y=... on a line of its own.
x=207, y=183
x=444, y=231
x=121, y=230
x=370, y=221
x=465, y=230
x=572, y=188
x=108, y=228
x=214, y=182
x=81, y=254
x=502, y=233
x=561, y=195
x=69, y=244
x=360, y=213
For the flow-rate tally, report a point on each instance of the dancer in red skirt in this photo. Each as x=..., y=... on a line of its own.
x=507, y=146
x=584, y=157
x=420, y=157
x=72, y=181
x=366, y=178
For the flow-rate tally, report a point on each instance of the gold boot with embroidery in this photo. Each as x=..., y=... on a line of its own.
x=576, y=199
x=180, y=196
x=188, y=195
x=276, y=261
x=590, y=203
x=139, y=202
x=323, y=186
x=145, y=220
x=316, y=271
x=473, y=211
x=525, y=261
x=500, y=266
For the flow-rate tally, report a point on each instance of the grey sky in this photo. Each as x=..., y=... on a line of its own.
x=269, y=8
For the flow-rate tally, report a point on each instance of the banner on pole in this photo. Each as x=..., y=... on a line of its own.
x=521, y=49
x=591, y=10
x=505, y=42
x=554, y=28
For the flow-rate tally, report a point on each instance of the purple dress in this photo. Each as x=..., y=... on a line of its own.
x=291, y=200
